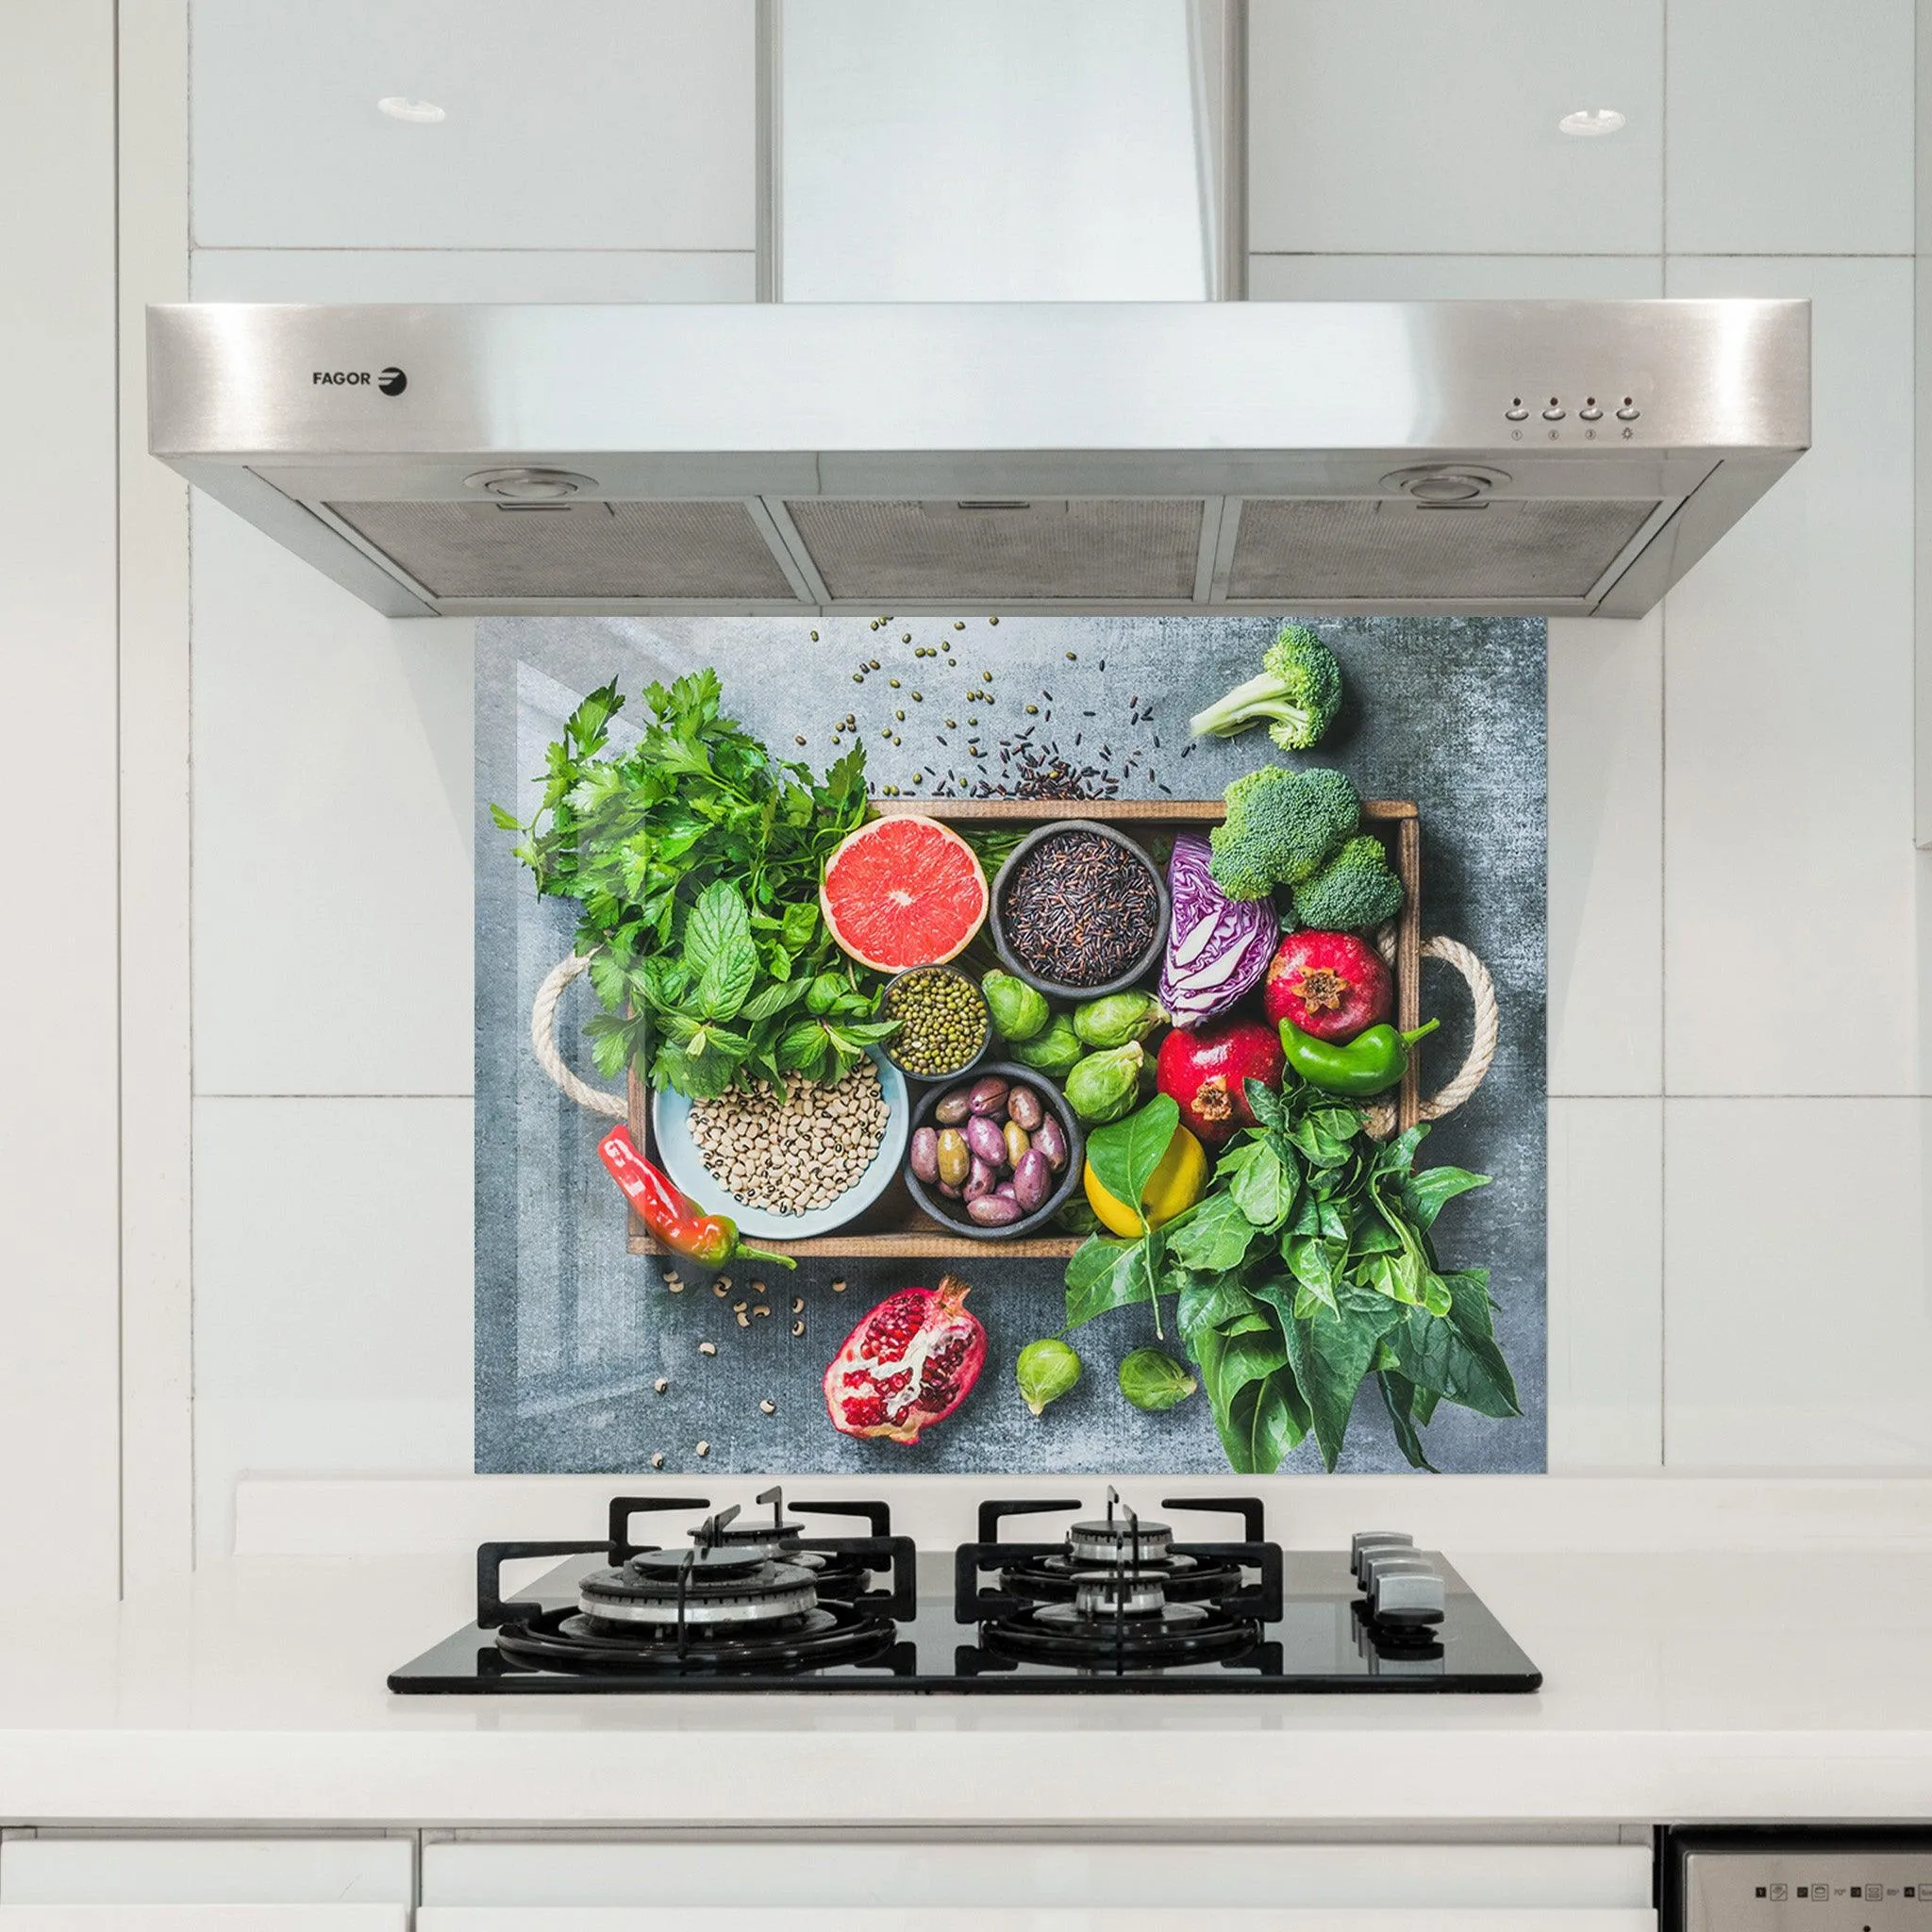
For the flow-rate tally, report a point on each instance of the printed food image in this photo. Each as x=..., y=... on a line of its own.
x=1139, y=1053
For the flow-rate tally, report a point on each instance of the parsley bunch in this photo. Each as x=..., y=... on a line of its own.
x=694, y=859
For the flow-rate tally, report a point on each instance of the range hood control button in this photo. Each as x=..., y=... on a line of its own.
x=1515, y=413
x=1628, y=413
x=1589, y=413
x=1552, y=414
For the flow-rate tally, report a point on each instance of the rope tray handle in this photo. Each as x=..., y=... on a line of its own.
x=1483, y=1033
x=544, y=1038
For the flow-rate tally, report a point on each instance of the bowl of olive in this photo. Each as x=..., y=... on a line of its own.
x=994, y=1155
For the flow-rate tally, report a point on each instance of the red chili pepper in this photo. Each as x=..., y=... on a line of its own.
x=683, y=1226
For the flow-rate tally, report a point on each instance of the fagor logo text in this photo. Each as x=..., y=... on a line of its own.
x=390, y=381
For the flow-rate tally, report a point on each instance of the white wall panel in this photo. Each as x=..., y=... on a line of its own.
x=1389, y=126
x=1453, y=277
x=1790, y=126
x=332, y=787
x=332, y=1290
x=60, y=1073
x=1797, y=1321
x=461, y=274
x=1605, y=854
x=1790, y=880
x=577, y=123
x=1605, y=1285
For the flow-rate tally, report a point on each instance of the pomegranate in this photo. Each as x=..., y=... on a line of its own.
x=910, y=1363
x=1330, y=984
x=1206, y=1068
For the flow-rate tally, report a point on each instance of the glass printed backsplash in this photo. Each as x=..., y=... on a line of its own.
x=1305, y=1291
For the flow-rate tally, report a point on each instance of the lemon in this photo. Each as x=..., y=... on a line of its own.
x=1177, y=1183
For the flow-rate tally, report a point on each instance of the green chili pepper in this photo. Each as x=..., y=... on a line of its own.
x=1373, y=1060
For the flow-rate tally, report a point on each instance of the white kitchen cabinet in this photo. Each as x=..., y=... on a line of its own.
x=578, y=123
x=1018, y=1918
x=269, y=1882
x=135, y=1918
x=636, y=1886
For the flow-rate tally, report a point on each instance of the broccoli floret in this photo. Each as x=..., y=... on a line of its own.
x=1299, y=689
x=1280, y=826
x=1355, y=890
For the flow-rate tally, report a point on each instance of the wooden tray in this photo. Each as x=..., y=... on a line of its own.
x=894, y=1225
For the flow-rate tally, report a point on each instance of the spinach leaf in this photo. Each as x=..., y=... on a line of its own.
x=1125, y=1155
x=1331, y=1351
x=1213, y=1237
x=1260, y=1183
x=1428, y=1192
x=1106, y=1274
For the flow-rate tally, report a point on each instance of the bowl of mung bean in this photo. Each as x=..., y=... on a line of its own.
x=945, y=1023
x=788, y=1162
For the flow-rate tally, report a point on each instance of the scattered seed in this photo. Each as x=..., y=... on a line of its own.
x=859, y=677
x=661, y=1384
x=918, y=698
x=658, y=1458
x=1033, y=710
x=798, y=1327
x=905, y=637
x=893, y=683
x=739, y=1307
x=960, y=623
x=708, y=1348
x=900, y=714
x=837, y=1288
x=744, y=1320
x=873, y=664
x=768, y=1407
x=704, y=1448
x=718, y=1289
x=873, y=625
x=798, y=740
x=798, y=1305
x=990, y=620
x=986, y=676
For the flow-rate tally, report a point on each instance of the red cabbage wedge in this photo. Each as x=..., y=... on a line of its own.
x=1218, y=948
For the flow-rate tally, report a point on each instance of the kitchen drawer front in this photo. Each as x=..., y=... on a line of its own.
x=178, y=1918
x=1023, y=1919
x=85, y=1869
x=853, y=1872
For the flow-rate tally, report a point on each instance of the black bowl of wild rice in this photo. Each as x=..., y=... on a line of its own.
x=1079, y=910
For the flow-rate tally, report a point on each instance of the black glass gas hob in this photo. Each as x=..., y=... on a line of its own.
x=821, y=1596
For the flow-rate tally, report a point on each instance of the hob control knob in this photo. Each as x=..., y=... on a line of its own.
x=1409, y=1592
x=1376, y=1538
x=1386, y=1560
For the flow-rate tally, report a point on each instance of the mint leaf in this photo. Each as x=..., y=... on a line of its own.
x=718, y=948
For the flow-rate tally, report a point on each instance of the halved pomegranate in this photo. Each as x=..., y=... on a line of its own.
x=910, y=1363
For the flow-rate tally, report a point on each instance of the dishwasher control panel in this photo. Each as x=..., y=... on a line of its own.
x=1802, y=1879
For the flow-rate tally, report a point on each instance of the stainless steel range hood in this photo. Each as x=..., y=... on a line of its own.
x=1556, y=457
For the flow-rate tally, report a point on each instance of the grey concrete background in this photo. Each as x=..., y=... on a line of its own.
x=572, y=1332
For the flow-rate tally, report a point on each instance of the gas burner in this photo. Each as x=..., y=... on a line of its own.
x=569, y=1640
x=705, y=1586
x=1119, y=1540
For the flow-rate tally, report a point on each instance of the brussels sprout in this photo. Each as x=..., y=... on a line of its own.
x=1153, y=1381
x=1046, y=1371
x=1078, y=1217
x=1019, y=1011
x=1101, y=1086
x=1055, y=1051
x=1118, y=1019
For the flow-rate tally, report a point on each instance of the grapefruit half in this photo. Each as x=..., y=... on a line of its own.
x=903, y=891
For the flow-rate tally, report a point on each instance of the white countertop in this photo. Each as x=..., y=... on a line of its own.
x=1676, y=1686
